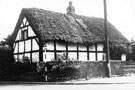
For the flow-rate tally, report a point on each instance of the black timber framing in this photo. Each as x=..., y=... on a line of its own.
x=26, y=52
x=55, y=55
x=40, y=51
x=33, y=37
x=73, y=51
x=31, y=50
x=87, y=47
x=14, y=47
x=77, y=51
x=67, y=49
x=96, y=52
x=55, y=50
x=24, y=47
x=24, y=26
x=19, y=27
x=37, y=41
x=18, y=51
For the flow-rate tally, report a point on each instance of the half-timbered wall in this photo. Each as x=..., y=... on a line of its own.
x=26, y=43
x=80, y=52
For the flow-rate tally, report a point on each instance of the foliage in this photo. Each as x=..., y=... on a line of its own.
x=6, y=60
x=116, y=50
x=6, y=57
x=6, y=41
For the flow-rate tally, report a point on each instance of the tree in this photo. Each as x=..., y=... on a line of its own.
x=6, y=41
x=6, y=57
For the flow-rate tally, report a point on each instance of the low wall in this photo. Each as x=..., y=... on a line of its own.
x=91, y=69
x=121, y=68
x=117, y=67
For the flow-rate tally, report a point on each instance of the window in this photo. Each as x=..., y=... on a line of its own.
x=24, y=34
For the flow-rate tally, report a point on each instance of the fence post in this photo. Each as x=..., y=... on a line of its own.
x=46, y=74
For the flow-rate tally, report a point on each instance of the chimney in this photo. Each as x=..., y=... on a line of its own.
x=70, y=9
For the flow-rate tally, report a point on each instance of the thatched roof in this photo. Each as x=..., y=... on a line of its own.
x=50, y=25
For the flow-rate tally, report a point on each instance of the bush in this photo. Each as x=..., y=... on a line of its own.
x=6, y=61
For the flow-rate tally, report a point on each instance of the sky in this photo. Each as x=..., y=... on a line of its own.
x=120, y=13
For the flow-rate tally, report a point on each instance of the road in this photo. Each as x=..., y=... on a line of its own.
x=69, y=87
x=116, y=83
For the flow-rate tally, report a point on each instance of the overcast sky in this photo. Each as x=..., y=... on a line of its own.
x=121, y=13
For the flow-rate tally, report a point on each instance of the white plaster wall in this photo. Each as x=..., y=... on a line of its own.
x=72, y=47
x=31, y=32
x=20, y=57
x=50, y=45
x=92, y=48
x=48, y=56
x=100, y=56
x=83, y=56
x=27, y=55
x=28, y=45
x=92, y=56
x=35, y=57
x=60, y=46
x=18, y=37
x=100, y=47
x=15, y=57
x=72, y=55
x=24, y=20
x=82, y=48
x=35, y=45
x=21, y=46
x=16, y=48
x=123, y=57
x=21, y=25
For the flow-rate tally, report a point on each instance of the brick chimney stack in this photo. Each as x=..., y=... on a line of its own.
x=70, y=9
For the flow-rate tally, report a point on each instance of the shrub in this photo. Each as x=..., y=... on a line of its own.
x=6, y=61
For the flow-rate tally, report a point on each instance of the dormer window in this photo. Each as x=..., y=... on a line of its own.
x=24, y=34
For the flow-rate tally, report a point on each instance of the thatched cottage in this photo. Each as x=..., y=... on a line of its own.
x=40, y=35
